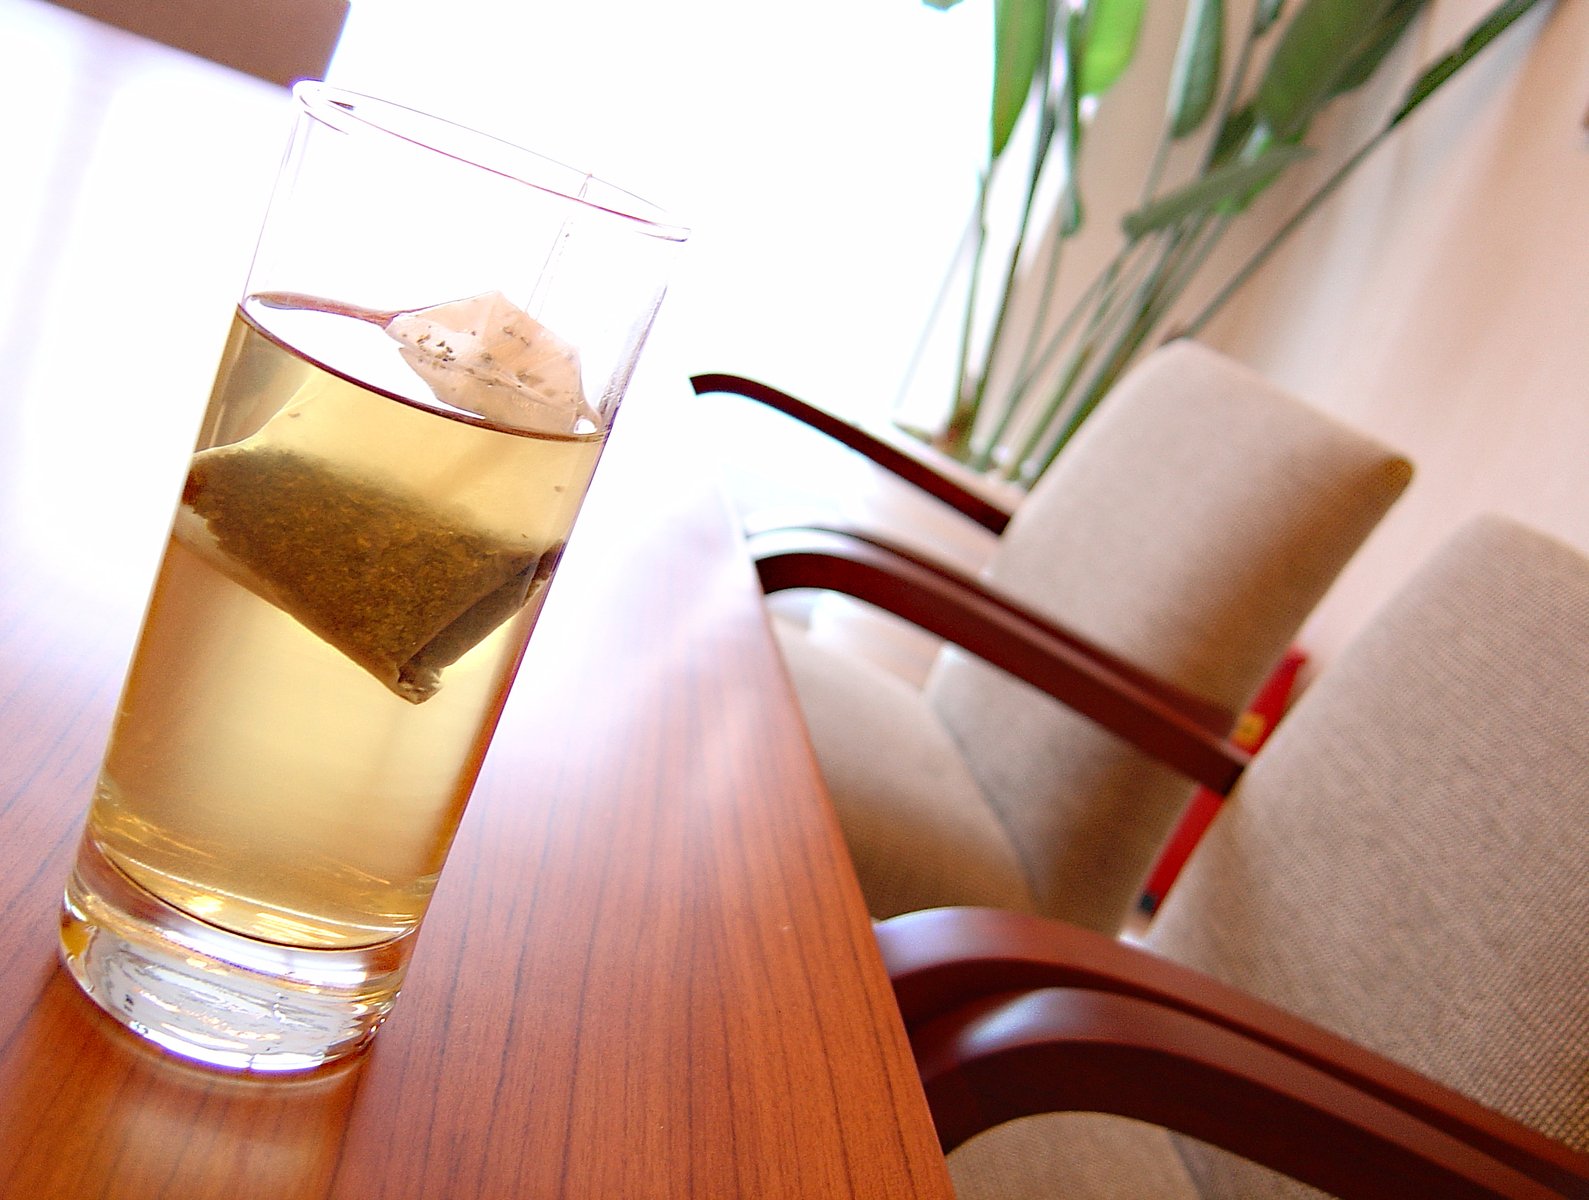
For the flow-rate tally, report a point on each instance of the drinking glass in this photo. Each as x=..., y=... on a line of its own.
x=430, y=350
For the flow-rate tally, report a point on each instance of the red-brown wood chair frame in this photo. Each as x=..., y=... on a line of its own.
x=908, y=462
x=1012, y=1015
x=1180, y=730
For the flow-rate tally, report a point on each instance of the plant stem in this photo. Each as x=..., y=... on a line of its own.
x=963, y=412
x=1179, y=266
x=1084, y=351
x=1263, y=253
x=1102, y=282
x=1106, y=286
x=1146, y=302
x=959, y=435
x=1181, y=256
x=1233, y=89
x=1109, y=286
x=1039, y=320
x=913, y=363
x=962, y=422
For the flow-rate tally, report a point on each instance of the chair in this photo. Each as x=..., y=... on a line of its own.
x=281, y=41
x=1150, y=580
x=1373, y=974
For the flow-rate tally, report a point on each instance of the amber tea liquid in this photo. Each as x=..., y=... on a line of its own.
x=298, y=736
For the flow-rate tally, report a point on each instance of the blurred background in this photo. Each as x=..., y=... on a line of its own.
x=827, y=156
x=824, y=153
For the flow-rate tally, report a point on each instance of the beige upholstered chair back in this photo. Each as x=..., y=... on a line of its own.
x=281, y=41
x=1197, y=520
x=1407, y=861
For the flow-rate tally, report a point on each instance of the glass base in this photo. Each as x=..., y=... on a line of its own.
x=214, y=996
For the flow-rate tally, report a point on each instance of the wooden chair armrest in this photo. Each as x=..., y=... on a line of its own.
x=893, y=456
x=1077, y=1049
x=942, y=961
x=1177, y=729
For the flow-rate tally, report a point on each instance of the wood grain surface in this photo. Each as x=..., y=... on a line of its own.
x=647, y=970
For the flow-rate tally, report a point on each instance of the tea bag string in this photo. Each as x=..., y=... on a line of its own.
x=554, y=254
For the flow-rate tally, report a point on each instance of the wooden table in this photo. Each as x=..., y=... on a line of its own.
x=647, y=970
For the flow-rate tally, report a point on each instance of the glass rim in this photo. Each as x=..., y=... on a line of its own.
x=340, y=108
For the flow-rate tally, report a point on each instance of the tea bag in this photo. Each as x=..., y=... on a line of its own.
x=338, y=510
x=367, y=569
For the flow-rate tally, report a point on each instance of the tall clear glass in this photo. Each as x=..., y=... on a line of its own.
x=431, y=347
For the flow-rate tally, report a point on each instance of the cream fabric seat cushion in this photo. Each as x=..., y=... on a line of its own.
x=919, y=831
x=1074, y=1156
x=1407, y=862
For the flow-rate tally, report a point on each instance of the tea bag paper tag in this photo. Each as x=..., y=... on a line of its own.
x=486, y=356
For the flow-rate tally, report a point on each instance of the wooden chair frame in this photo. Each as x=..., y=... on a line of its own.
x=1166, y=723
x=1012, y=1015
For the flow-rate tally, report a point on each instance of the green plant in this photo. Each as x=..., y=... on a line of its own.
x=1056, y=59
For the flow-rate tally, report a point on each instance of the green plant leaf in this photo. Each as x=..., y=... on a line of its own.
x=1070, y=209
x=1481, y=35
x=941, y=5
x=1108, y=42
x=1235, y=182
x=1380, y=43
x=1321, y=40
x=1020, y=41
x=1194, y=76
x=1264, y=15
x=1233, y=135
